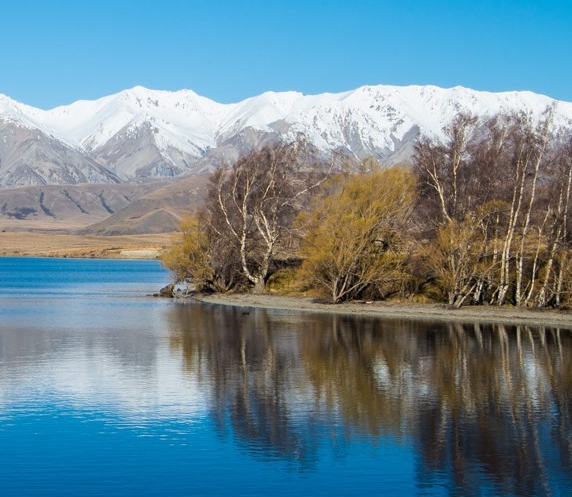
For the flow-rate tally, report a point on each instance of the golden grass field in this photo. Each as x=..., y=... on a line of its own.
x=68, y=245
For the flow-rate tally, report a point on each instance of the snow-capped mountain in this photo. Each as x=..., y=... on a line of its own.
x=140, y=133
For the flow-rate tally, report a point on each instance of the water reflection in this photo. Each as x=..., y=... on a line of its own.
x=252, y=368
x=483, y=409
x=487, y=408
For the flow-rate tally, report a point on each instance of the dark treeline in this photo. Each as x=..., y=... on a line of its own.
x=481, y=217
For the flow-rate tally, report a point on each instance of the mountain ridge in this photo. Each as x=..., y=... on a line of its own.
x=141, y=133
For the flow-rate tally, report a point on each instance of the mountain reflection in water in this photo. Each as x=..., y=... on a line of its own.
x=486, y=407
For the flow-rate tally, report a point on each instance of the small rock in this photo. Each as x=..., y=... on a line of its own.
x=167, y=291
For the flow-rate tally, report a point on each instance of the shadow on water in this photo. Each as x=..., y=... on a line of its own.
x=486, y=408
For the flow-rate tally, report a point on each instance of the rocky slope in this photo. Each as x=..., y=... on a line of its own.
x=105, y=210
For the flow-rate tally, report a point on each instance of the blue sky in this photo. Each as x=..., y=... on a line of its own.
x=55, y=52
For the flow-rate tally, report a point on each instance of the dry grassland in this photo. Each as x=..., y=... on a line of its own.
x=66, y=245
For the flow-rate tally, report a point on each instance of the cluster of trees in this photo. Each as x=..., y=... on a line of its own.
x=497, y=198
x=243, y=233
x=481, y=217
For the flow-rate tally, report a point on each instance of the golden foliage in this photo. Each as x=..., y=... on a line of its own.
x=354, y=235
x=188, y=258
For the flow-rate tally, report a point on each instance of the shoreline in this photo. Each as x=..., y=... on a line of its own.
x=398, y=310
x=150, y=247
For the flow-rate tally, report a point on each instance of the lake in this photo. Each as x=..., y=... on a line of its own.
x=107, y=391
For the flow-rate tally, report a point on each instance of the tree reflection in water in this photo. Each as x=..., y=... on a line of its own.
x=484, y=406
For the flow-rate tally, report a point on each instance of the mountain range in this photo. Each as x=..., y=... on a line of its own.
x=141, y=133
x=155, y=138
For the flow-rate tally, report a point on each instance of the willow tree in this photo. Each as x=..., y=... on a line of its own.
x=200, y=257
x=354, y=234
x=188, y=256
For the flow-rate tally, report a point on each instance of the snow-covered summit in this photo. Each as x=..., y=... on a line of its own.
x=90, y=124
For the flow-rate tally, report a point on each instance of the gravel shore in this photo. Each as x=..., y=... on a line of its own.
x=430, y=312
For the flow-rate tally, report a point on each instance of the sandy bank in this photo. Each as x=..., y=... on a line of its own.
x=432, y=312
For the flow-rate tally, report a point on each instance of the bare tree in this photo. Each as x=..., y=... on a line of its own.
x=527, y=147
x=252, y=204
x=558, y=208
x=498, y=164
x=440, y=167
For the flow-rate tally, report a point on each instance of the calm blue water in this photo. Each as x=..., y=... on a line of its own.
x=107, y=391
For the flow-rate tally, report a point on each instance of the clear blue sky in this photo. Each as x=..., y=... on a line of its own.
x=55, y=52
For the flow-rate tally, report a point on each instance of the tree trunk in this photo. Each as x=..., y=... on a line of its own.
x=259, y=285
